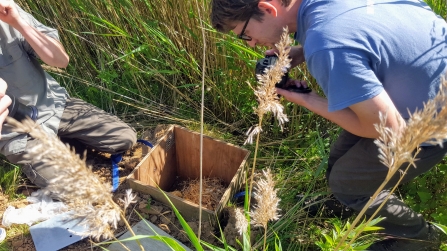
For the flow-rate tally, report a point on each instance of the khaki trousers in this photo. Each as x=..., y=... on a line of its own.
x=84, y=123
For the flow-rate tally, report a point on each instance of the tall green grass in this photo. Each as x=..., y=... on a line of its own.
x=9, y=177
x=142, y=61
x=148, y=54
x=439, y=7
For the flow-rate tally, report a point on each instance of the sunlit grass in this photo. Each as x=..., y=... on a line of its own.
x=9, y=178
x=138, y=60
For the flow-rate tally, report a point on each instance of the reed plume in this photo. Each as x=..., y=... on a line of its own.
x=266, y=208
x=75, y=184
x=241, y=220
x=427, y=125
x=268, y=100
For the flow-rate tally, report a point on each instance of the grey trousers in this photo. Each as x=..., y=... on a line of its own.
x=355, y=172
x=86, y=124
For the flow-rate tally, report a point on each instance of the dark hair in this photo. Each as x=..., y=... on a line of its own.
x=225, y=12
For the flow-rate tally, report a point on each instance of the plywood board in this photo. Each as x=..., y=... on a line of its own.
x=144, y=228
x=220, y=159
x=159, y=165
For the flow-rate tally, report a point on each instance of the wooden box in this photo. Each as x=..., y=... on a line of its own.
x=176, y=157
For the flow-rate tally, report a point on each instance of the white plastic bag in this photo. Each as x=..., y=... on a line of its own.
x=2, y=234
x=43, y=208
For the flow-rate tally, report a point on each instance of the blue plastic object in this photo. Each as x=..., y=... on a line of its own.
x=240, y=194
x=116, y=158
x=145, y=142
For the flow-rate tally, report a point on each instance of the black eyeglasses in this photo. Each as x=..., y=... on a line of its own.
x=242, y=35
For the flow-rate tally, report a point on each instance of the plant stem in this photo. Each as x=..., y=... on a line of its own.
x=390, y=174
x=254, y=163
x=131, y=230
x=124, y=246
x=265, y=235
x=362, y=212
x=202, y=107
x=380, y=206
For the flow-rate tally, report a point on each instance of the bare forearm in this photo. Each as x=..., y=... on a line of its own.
x=48, y=49
x=345, y=118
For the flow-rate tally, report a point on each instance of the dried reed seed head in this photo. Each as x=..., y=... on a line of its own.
x=241, y=221
x=267, y=202
x=267, y=97
x=251, y=133
x=75, y=184
x=128, y=199
x=426, y=125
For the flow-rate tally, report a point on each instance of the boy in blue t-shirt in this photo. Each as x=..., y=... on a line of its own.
x=369, y=57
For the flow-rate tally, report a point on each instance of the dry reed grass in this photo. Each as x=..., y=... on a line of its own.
x=266, y=208
x=212, y=191
x=268, y=100
x=241, y=220
x=75, y=184
x=267, y=202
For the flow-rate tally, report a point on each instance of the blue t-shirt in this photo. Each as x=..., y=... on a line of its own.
x=355, y=49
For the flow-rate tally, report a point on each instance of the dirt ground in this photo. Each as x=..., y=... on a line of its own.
x=154, y=211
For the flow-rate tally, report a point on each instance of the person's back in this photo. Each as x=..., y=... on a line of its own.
x=396, y=45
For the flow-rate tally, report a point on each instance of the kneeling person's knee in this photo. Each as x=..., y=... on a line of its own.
x=126, y=140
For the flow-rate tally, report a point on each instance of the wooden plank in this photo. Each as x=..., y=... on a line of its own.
x=234, y=186
x=220, y=159
x=159, y=166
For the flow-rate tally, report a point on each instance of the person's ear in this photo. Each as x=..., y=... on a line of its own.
x=268, y=7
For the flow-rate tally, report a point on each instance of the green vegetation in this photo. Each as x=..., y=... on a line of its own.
x=9, y=178
x=142, y=60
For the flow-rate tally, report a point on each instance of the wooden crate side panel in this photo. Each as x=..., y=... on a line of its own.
x=187, y=209
x=234, y=186
x=159, y=166
x=220, y=159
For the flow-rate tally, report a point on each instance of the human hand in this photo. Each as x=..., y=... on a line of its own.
x=294, y=96
x=9, y=13
x=296, y=54
x=5, y=101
